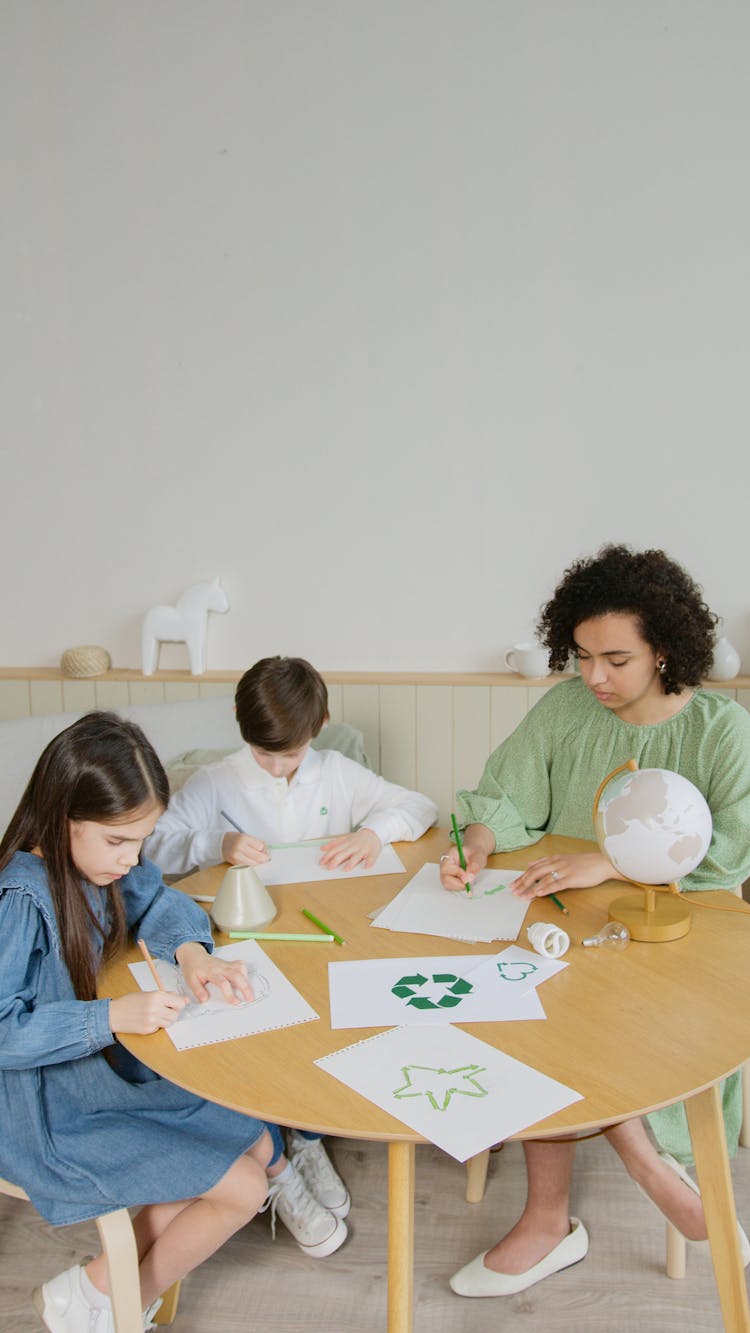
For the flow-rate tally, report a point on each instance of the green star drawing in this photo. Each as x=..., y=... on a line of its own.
x=439, y=1085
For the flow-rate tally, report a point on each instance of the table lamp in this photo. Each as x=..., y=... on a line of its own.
x=655, y=827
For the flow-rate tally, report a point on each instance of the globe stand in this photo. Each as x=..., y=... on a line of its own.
x=651, y=919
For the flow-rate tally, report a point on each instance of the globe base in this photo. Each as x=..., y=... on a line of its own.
x=669, y=919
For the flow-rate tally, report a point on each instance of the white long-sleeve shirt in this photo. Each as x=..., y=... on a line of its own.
x=329, y=794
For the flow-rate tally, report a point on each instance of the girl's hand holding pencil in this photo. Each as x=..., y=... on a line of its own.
x=129, y=1013
x=145, y=1012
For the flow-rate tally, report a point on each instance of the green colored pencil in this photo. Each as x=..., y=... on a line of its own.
x=459, y=845
x=559, y=903
x=321, y=925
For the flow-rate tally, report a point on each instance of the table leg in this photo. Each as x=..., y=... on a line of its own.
x=401, y=1164
x=706, y=1126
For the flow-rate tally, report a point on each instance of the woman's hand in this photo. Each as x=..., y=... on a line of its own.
x=478, y=843
x=552, y=874
x=145, y=1011
x=242, y=849
x=452, y=877
x=351, y=849
x=201, y=970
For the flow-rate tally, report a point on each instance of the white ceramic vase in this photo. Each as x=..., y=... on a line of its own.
x=726, y=663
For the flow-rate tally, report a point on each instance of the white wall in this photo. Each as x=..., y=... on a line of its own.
x=384, y=310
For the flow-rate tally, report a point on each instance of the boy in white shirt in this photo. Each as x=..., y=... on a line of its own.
x=280, y=791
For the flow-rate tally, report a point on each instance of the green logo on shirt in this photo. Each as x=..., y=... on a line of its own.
x=324, y=809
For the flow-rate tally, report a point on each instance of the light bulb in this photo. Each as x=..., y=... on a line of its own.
x=612, y=936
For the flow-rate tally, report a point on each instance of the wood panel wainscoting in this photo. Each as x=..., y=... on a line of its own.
x=431, y=731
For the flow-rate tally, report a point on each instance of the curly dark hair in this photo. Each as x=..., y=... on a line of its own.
x=667, y=604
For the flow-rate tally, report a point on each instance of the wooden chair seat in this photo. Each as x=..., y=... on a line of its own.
x=118, y=1243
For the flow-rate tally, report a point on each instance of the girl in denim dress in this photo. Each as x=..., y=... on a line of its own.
x=86, y=1128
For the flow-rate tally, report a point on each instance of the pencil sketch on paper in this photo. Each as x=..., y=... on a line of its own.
x=173, y=979
x=439, y=1085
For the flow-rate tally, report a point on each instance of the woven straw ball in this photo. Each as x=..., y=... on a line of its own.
x=86, y=660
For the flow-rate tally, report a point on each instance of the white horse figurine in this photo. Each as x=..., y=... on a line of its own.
x=183, y=623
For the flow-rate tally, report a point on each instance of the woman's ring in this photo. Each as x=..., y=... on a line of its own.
x=555, y=876
x=444, y=857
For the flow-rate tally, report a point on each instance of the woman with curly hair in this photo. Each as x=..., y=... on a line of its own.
x=643, y=639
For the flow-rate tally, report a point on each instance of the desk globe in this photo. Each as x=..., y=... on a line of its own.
x=655, y=828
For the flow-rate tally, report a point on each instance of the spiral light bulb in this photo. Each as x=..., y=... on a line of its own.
x=612, y=936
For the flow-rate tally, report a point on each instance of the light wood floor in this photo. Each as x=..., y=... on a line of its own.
x=254, y=1284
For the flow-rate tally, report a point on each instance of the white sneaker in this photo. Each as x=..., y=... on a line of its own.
x=318, y=1172
x=63, y=1307
x=314, y=1228
x=148, y=1315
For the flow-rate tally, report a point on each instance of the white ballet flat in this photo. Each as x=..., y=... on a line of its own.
x=679, y=1170
x=474, y=1279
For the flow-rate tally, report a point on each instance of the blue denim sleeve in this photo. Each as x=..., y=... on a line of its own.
x=164, y=917
x=33, y=1030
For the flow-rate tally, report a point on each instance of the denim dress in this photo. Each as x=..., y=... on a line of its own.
x=80, y=1136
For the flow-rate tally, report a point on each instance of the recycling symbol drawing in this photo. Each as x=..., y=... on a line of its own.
x=443, y=990
x=515, y=971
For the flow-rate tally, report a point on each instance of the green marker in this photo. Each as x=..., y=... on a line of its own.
x=274, y=935
x=459, y=846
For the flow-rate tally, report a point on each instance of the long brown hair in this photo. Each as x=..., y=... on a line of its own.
x=102, y=768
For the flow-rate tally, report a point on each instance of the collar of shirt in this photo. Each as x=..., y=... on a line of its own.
x=255, y=776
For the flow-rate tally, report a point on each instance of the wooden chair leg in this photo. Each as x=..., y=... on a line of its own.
x=745, y=1127
x=118, y=1243
x=476, y=1176
x=676, y=1252
x=168, y=1309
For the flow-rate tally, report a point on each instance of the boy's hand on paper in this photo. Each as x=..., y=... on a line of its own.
x=145, y=1012
x=350, y=850
x=452, y=877
x=551, y=874
x=201, y=970
x=242, y=849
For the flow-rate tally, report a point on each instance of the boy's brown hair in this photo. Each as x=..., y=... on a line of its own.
x=281, y=703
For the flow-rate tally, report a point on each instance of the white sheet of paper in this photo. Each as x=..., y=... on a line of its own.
x=277, y=1003
x=424, y=907
x=515, y=970
x=297, y=865
x=452, y=1088
x=387, y=992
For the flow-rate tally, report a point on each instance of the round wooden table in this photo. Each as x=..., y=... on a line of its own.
x=631, y=1031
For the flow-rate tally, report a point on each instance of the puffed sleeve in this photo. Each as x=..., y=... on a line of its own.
x=34, y=1033
x=164, y=917
x=521, y=766
x=726, y=787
